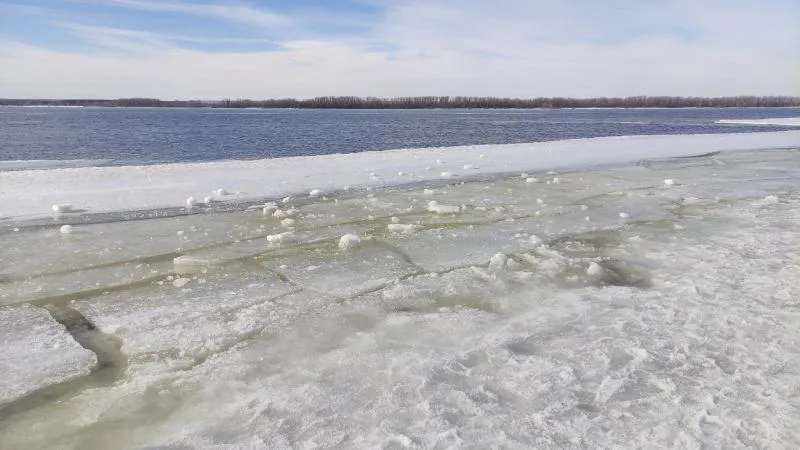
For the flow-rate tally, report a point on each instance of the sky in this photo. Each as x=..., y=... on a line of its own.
x=214, y=49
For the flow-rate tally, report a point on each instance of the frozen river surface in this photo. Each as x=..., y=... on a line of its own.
x=648, y=304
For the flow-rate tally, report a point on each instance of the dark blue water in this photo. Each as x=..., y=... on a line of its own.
x=145, y=136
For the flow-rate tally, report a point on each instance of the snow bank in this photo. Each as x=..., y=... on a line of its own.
x=30, y=193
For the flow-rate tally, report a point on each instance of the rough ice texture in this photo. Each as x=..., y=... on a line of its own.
x=30, y=193
x=36, y=352
x=513, y=324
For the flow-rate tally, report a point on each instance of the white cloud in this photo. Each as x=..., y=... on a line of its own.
x=234, y=12
x=506, y=48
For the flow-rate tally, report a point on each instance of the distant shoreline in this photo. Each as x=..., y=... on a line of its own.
x=445, y=102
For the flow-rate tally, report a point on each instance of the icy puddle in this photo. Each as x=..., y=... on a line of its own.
x=646, y=306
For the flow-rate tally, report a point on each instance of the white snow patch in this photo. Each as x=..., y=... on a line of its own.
x=65, y=229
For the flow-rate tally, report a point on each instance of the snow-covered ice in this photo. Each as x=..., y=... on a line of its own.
x=380, y=322
x=36, y=352
x=31, y=193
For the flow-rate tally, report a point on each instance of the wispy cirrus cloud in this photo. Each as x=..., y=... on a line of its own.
x=236, y=12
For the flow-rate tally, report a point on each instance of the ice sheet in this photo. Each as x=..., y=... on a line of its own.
x=536, y=317
x=36, y=352
x=780, y=121
x=32, y=193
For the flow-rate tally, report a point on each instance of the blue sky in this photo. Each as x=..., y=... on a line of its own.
x=302, y=48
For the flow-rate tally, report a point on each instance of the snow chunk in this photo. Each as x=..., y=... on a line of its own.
x=468, y=167
x=221, y=192
x=288, y=222
x=428, y=192
x=315, y=193
x=669, y=182
x=349, y=241
x=624, y=215
x=447, y=174
x=191, y=202
x=531, y=180
x=65, y=229
x=208, y=200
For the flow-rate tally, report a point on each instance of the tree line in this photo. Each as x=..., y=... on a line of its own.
x=446, y=102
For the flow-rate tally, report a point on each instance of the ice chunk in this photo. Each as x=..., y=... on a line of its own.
x=402, y=227
x=180, y=282
x=468, y=167
x=192, y=324
x=281, y=238
x=349, y=241
x=221, y=192
x=447, y=174
x=65, y=229
x=531, y=180
x=37, y=352
x=191, y=202
x=428, y=192
x=288, y=222
x=669, y=182
x=343, y=274
x=437, y=208
x=595, y=270
x=282, y=214
x=315, y=193
x=62, y=208
x=498, y=261
x=208, y=199
x=624, y=215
